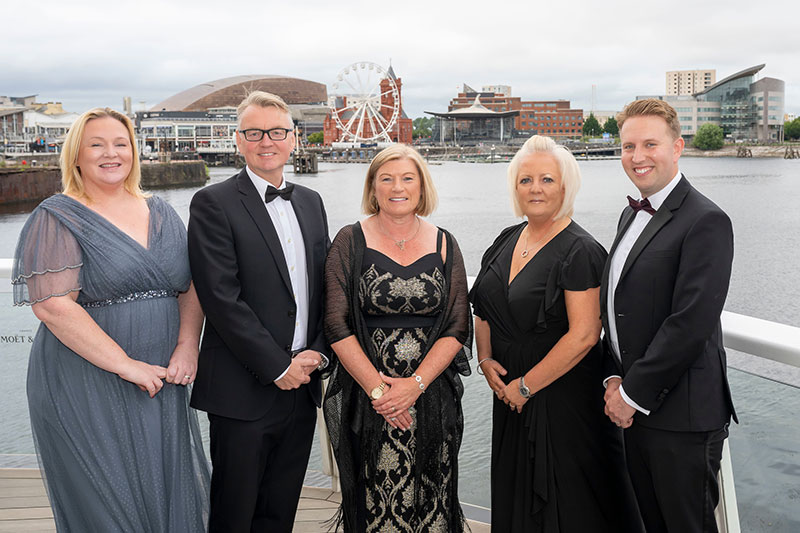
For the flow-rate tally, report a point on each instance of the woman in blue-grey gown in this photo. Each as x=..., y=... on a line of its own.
x=105, y=269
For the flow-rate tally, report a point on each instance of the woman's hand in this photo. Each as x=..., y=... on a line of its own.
x=146, y=376
x=492, y=370
x=402, y=394
x=512, y=397
x=183, y=364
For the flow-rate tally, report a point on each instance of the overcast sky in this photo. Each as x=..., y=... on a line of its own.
x=90, y=53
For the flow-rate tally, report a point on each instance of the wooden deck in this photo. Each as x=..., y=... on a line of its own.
x=24, y=506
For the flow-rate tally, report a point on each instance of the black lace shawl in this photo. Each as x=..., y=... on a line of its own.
x=348, y=411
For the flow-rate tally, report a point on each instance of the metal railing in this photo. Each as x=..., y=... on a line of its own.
x=754, y=336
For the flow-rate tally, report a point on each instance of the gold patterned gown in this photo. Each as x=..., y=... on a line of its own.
x=400, y=305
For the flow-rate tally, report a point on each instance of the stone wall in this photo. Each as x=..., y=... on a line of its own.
x=36, y=184
x=175, y=174
x=28, y=185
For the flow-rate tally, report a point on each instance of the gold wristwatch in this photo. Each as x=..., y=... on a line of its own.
x=377, y=392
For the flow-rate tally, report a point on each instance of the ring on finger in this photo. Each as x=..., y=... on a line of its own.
x=392, y=408
x=187, y=377
x=393, y=419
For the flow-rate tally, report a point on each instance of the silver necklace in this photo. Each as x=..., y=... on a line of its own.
x=402, y=242
x=527, y=248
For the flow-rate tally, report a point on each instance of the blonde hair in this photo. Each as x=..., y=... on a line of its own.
x=261, y=99
x=570, y=172
x=71, y=179
x=651, y=107
x=428, y=200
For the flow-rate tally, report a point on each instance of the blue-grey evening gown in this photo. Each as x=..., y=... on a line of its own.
x=113, y=458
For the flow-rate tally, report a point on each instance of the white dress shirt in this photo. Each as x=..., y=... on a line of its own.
x=624, y=247
x=284, y=219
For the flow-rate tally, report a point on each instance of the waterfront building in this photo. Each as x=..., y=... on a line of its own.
x=209, y=134
x=745, y=108
x=474, y=124
x=11, y=129
x=30, y=126
x=688, y=82
x=201, y=121
x=554, y=118
x=306, y=99
x=401, y=131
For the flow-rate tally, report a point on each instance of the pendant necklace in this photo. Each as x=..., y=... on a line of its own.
x=527, y=230
x=402, y=242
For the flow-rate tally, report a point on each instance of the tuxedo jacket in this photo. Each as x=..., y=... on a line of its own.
x=240, y=274
x=668, y=303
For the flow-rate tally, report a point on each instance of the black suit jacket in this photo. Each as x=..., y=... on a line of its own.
x=242, y=280
x=668, y=303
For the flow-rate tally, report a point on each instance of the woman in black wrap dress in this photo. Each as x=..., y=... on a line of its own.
x=557, y=460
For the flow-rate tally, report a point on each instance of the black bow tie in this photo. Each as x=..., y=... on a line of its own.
x=272, y=192
x=644, y=205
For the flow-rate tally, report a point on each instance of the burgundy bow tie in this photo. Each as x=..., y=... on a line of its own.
x=273, y=193
x=643, y=205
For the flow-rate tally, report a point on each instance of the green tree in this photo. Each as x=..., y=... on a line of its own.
x=611, y=126
x=316, y=138
x=422, y=127
x=708, y=137
x=591, y=126
x=791, y=130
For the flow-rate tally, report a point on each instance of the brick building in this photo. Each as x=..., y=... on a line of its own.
x=554, y=118
x=402, y=130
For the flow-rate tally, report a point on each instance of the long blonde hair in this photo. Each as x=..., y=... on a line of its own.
x=71, y=179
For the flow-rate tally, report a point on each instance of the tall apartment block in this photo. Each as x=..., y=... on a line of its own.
x=689, y=82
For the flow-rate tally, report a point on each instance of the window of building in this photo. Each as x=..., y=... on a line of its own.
x=185, y=131
x=164, y=131
x=203, y=131
x=774, y=98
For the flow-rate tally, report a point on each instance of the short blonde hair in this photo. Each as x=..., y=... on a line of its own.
x=261, y=99
x=71, y=179
x=651, y=107
x=570, y=172
x=428, y=200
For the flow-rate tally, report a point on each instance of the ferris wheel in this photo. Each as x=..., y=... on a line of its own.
x=370, y=109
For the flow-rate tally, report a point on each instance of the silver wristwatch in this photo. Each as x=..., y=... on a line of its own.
x=524, y=391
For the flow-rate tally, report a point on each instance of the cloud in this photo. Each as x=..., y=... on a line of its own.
x=89, y=53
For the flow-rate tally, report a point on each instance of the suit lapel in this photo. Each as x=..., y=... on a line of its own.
x=258, y=212
x=662, y=216
x=299, y=204
x=625, y=220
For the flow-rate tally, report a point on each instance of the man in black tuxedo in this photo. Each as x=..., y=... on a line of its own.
x=257, y=247
x=662, y=294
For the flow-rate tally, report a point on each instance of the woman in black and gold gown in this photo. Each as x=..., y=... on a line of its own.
x=557, y=460
x=397, y=318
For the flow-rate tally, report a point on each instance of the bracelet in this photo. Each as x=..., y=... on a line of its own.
x=480, y=371
x=418, y=379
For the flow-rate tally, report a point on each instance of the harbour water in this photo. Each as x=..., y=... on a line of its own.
x=760, y=195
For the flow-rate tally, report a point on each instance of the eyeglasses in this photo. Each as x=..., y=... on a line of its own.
x=255, y=134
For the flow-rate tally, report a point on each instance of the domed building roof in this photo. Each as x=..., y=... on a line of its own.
x=231, y=91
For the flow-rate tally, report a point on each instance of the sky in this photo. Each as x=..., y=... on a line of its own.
x=86, y=53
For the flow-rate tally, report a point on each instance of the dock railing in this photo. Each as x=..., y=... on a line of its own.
x=754, y=336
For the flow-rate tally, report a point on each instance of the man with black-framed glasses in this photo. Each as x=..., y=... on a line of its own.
x=257, y=247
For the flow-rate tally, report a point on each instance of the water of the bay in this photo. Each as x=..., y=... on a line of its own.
x=758, y=194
